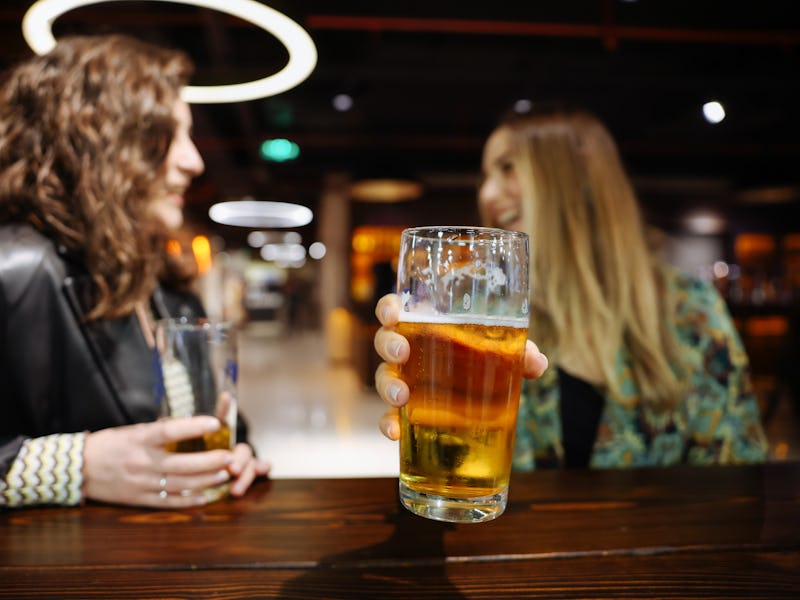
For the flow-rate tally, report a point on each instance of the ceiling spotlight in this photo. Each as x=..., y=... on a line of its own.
x=342, y=102
x=256, y=239
x=721, y=269
x=254, y=213
x=37, y=29
x=713, y=112
x=317, y=250
x=523, y=106
x=292, y=237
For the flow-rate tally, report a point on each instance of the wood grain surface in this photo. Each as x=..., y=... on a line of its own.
x=712, y=532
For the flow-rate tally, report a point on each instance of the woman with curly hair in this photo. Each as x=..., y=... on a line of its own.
x=95, y=157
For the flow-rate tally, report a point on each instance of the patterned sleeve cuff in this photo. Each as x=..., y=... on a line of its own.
x=47, y=470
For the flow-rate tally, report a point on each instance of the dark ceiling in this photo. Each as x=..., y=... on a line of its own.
x=429, y=79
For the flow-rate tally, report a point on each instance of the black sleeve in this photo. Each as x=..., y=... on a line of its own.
x=9, y=449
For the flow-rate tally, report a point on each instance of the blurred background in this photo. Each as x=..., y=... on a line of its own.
x=386, y=133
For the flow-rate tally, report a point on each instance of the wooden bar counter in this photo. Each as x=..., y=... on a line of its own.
x=710, y=532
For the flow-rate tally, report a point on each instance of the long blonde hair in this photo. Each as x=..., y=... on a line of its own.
x=598, y=288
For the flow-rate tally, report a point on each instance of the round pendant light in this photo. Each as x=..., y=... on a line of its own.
x=255, y=213
x=38, y=33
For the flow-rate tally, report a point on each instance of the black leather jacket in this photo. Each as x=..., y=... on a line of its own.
x=58, y=372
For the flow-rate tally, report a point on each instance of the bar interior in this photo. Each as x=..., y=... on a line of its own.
x=294, y=231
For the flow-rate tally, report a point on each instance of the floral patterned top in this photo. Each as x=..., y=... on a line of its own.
x=718, y=423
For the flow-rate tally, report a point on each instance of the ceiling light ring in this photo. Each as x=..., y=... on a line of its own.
x=37, y=31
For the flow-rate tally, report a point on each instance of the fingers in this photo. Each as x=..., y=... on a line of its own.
x=394, y=349
x=168, y=497
x=129, y=465
x=224, y=403
x=194, y=488
x=243, y=454
x=173, y=501
x=244, y=468
x=262, y=468
x=186, y=463
x=392, y=390
x=387, y=309
x=390, y=424
x=163, y=431
x=391, y=346
x=242, y=483
x=185, y=484
x=535, y=361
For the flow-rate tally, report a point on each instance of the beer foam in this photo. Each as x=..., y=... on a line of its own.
x=463, y=319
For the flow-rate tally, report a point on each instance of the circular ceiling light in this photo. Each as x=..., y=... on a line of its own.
x=255, y=213
x=37, y=30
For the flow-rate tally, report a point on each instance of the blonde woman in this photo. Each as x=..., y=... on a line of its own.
x=647, y=368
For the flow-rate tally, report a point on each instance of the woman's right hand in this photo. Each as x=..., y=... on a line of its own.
x=393, y=348
x=129, y=465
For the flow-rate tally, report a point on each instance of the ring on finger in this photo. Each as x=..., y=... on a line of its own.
x=162, y=483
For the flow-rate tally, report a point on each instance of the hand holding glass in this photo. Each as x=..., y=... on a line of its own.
x=198, y=365
x=464, y=296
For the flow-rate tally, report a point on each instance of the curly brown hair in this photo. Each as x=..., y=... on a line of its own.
x=84, y=135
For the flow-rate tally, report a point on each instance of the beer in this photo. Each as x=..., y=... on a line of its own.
x=464, y=297
x=217, y=440
x=457, y=430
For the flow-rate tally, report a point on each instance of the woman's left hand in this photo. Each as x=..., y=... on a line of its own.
x=244, y=469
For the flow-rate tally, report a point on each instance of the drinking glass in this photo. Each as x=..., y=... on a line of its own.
x=464, y=295
x=198, y=373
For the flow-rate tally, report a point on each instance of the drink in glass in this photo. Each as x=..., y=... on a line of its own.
x=465, y=314
x=197, y=374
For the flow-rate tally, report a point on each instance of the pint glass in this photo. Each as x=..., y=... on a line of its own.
x=464, y=295
x=197, y=376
